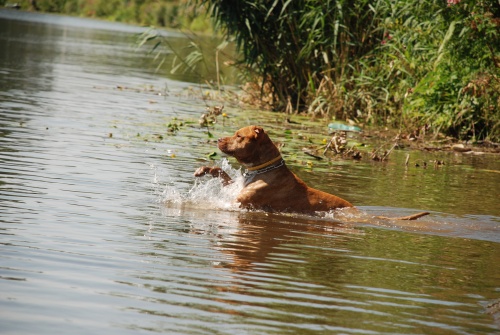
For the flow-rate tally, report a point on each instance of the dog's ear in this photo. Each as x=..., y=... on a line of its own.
x=258, y=131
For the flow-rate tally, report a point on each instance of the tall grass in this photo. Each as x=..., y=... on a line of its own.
x=407, y=63
x=295, y=45
x=400, y=62
x=451, y=55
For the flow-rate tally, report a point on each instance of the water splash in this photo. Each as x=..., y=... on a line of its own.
x=208, y=194
x=205, y=193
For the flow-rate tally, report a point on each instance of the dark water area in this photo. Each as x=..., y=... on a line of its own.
x=103, y=229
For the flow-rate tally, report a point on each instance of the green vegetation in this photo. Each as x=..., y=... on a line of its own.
x=432, y=64
x=178, y=14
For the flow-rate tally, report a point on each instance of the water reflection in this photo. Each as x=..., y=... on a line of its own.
x=100, y=47
x=90, y=244
x=279, y=269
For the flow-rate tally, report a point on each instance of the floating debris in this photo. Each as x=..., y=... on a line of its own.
x=210, y=117
x=343, y=127
x=460, y=148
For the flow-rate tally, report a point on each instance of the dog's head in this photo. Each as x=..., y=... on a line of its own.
x=249, y=145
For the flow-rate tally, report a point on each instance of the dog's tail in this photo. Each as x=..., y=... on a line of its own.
x=409, y=217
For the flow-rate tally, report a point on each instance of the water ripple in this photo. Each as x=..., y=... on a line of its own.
x=104, y=231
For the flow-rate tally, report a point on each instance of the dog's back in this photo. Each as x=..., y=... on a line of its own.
x=281, y=190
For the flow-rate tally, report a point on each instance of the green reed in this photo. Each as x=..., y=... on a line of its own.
x=406, y=63
x=433, y=63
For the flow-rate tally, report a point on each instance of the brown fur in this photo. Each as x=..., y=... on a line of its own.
x=277, y=189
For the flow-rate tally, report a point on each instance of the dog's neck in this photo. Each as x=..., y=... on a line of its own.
x=253, y=171
x=266, y=164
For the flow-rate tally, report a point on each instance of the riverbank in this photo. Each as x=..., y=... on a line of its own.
x=326, y=105
x=177, y=14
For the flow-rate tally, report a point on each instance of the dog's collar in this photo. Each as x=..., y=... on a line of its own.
x=250, y=173
x=266, y=164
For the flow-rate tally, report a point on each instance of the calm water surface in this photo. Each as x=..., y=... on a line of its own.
x=104, y=230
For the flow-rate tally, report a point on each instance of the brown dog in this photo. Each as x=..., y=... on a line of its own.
x=269, y=184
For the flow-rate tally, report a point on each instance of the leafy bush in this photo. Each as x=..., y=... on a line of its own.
x=294, y=45
x=449, y=66
x=408, y=63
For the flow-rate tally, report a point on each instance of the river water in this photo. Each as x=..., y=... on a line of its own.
x=105, y=231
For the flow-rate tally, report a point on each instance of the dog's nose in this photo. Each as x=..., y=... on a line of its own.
x=219, y=140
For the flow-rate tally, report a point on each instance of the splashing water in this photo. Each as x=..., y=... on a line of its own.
x=206, y=193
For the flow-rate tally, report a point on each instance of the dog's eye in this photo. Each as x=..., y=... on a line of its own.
x=239, y=138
